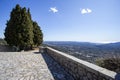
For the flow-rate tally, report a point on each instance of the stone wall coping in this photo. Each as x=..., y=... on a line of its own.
x=88, y=64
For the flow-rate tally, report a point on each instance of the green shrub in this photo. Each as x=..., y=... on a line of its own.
x=2, y=42
x=112, y=63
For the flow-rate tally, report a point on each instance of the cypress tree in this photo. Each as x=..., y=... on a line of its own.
x=21, y=31
x=38, y=36
x=12, y=26
x=28, y=11
x=26, y=30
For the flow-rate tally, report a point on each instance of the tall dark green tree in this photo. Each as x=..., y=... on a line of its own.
x=38, y=36
x=13, y=26
x=19, y=29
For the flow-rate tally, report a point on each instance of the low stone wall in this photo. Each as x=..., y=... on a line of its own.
x=80, y=69
x=6, y=48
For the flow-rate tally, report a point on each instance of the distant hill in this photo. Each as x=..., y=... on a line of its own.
x=70, y=43
x=87, y=49
x=84, y=44
x=117, y=44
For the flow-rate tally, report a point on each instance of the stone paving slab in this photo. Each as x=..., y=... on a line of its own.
x=28, y=66
x=23, y=66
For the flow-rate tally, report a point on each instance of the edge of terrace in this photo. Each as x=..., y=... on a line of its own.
x=66, y=60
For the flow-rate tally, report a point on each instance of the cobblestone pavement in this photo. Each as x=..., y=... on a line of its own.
x=29, y=66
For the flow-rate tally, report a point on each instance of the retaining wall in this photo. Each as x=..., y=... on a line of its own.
x=80, y=69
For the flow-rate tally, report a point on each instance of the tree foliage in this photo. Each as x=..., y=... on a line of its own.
x=20, y=29
x=38, y=36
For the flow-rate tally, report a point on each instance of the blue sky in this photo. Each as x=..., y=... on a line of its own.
x=70, y=20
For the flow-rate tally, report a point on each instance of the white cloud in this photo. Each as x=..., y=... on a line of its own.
x=53, y=9
x=89, y=10
x=85, y=11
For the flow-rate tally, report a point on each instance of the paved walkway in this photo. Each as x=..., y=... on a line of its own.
x=30, y=66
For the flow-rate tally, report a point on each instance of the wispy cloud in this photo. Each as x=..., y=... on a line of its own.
x=53, y=9
x=86, y=11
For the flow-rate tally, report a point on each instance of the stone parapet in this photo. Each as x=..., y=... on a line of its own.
x=80, y=69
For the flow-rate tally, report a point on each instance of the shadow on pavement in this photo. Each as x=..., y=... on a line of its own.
x=117, y=77
x=57, y=71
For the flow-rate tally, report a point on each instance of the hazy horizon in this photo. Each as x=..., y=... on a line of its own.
x=80, y=20
x=84, y=41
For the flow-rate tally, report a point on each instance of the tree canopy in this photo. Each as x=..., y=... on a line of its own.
x=21, y=30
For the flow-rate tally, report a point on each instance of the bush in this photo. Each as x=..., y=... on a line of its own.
x=112, y=63
x=2, y=42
